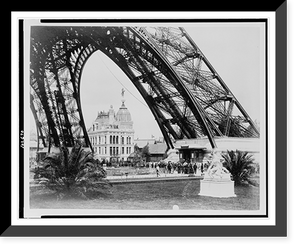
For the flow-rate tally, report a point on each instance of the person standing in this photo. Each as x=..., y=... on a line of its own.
x=195, y=168
x=179, y=168
x=185, y=167
x=190, y=168
x=169, y=167
x=157, y=171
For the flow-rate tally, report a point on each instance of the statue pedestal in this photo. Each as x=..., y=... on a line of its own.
x=217, y=188
x=217, y=181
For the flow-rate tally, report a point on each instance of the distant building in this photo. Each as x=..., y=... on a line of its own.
x=140, y=143
x=199, y=150
x=157, y=151
x=112, y=134
x=156, y=147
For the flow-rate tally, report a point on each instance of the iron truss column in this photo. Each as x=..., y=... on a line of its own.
x=184, y=90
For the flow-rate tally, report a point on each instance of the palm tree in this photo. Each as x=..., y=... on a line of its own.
x=241, y=166
x=73, y=173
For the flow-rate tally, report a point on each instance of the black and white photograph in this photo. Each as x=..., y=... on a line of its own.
x=148, y=124
x=166, y=118
x=145, y=118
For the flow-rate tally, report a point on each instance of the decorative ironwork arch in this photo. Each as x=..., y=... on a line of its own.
x=182, y=89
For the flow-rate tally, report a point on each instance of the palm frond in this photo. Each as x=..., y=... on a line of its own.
x=75, y=172
x=74, y=155
x=240, y=165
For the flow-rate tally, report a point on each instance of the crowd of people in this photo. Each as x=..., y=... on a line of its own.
x=178, y=167
x=161, y=167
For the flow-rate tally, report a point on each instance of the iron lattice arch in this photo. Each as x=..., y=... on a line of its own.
x=185, y=94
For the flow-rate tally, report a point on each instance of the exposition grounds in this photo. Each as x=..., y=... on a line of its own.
x=149, y=192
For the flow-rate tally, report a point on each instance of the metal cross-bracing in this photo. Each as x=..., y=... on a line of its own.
x=185, y=94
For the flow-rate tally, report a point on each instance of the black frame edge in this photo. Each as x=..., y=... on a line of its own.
x=279, y=230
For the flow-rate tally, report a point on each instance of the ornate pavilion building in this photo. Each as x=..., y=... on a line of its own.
x=112, y=134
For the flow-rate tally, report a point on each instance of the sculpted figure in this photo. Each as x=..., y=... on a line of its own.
x=216, y=169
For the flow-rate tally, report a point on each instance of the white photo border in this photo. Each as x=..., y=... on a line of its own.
x=269, y=221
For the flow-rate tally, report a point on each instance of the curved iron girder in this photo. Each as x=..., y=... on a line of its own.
x=64, y=42
x=40, y=133
x=206, y=83
x=40, y=91
x=114, y=55
x=179, y=85
x=169, y=104
x=83, y=56
x=140, y=49
x=154, y=60
x=52, y=98
x=105, y=48
x=111, y=51
x=142, y=61
x=139, y=52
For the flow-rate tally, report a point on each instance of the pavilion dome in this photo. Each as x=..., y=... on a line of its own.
x=123, y=114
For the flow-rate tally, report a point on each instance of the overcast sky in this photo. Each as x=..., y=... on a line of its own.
x=236, y=51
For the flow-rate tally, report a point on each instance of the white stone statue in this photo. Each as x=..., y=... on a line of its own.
x=216, y=170
x=217, y=181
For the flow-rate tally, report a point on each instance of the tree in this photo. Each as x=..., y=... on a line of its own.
x=145, y=152
x=241, y=166
x=73, y=173
x=136, y=148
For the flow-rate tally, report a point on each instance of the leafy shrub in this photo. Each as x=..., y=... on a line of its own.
x=73, y=173
x=241, y=166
